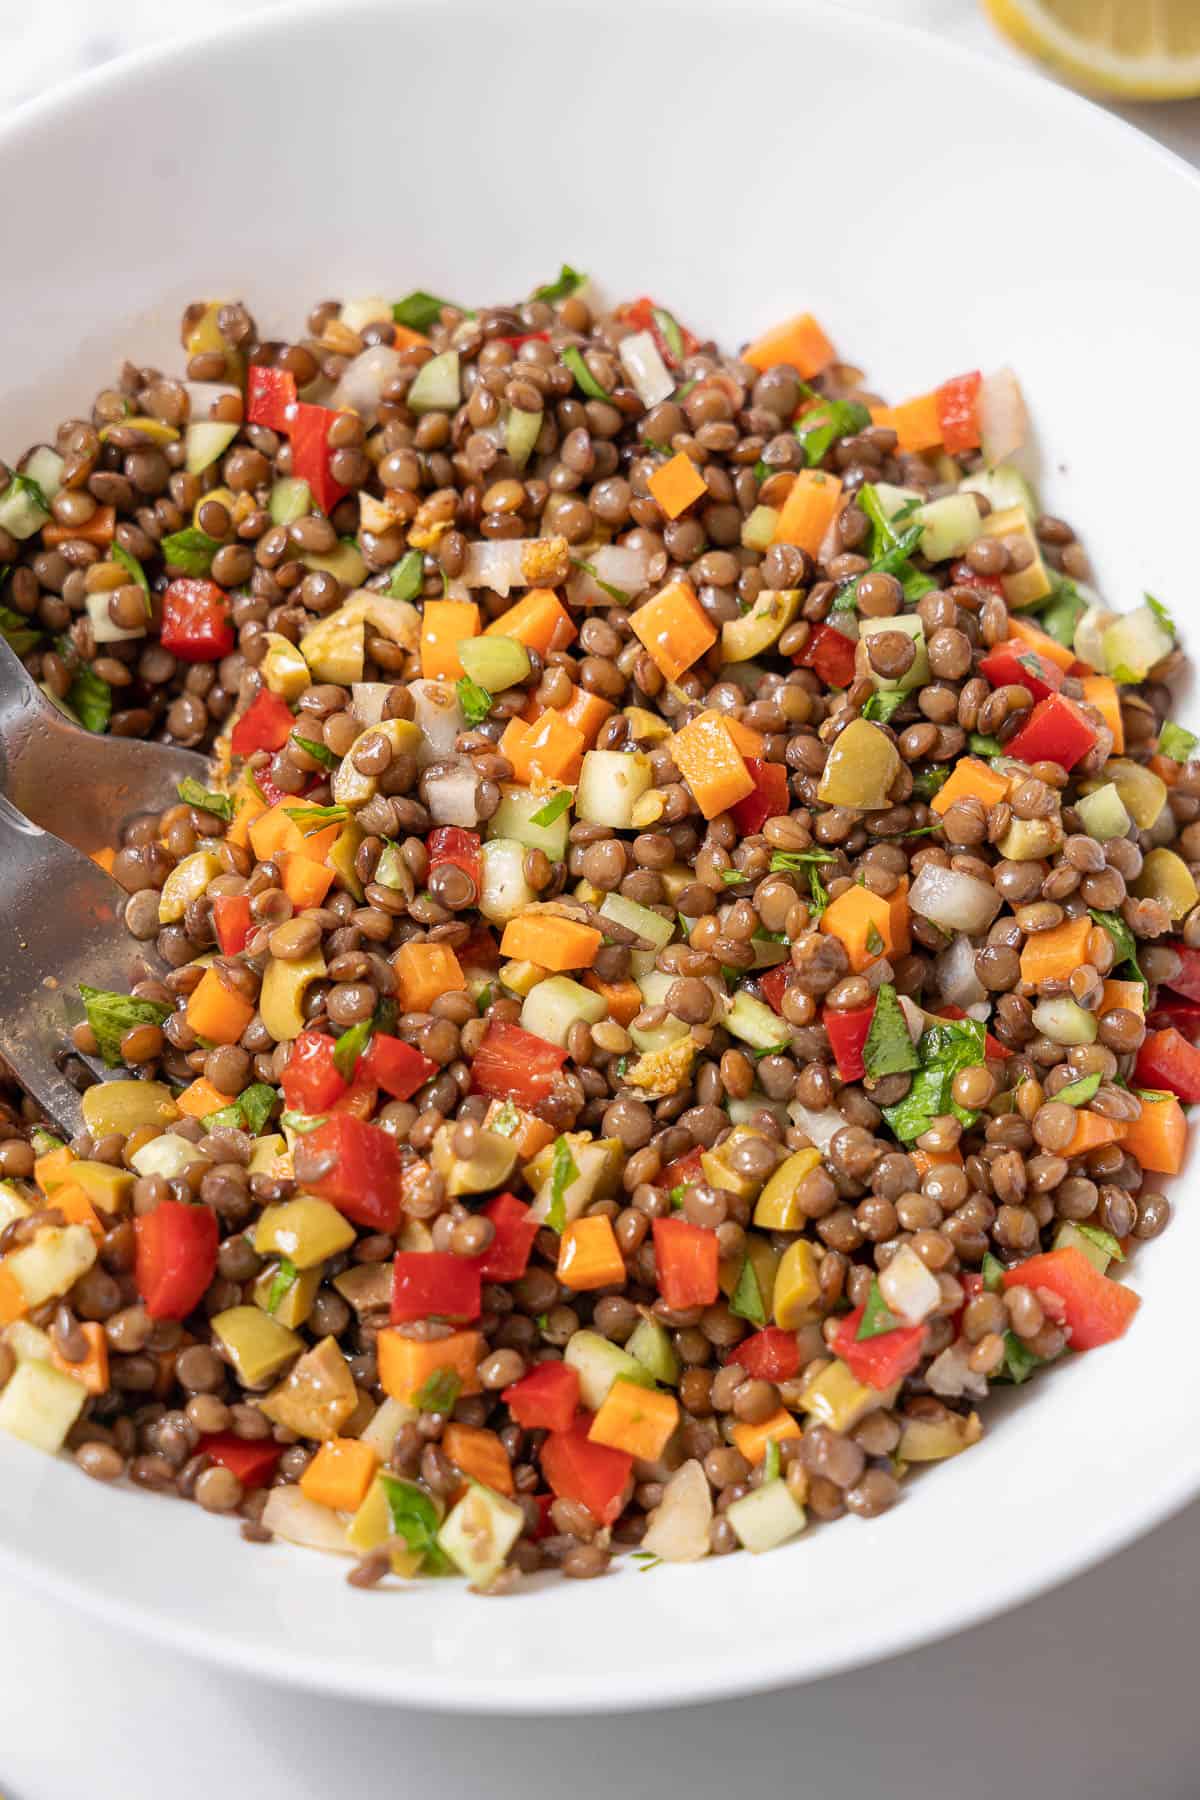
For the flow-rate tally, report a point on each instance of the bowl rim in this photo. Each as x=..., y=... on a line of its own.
x=756, y=1668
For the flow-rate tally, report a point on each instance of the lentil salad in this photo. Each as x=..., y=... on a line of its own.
x=684, y=970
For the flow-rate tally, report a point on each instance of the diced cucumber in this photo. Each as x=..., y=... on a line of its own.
x=380, y=1433
x=39, y=1405
x=1064, y=1022
x=555, y=1004
x=1003, y=488
x=503, y=889
x=346, y=562
x=651, y=1345
x=204, y=441
x=514, y=817
x=495, y=663
x=754, y=1023
x=951, y=525
x=1088, y=639
x=1103, y=814
x=1069, y=1237
x=479, y=1533
x=767, y=1517
x=610, y=784
x=758, y=528
x=20, y=513
x=1134, y=644
x=45, y=466
x=599, y=1163
x=52, y=1262
x=655, y=986
x=893, y=500
x=168, y=1156
x=599, y=1363
x=103, y=629
x=436, y=388
x=917, y=673
x=521, y=433
x=290, y=499
x=636, y=917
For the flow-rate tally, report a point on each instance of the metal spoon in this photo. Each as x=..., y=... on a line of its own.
x=62, y=914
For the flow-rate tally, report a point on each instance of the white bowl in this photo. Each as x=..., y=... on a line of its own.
x=938, y=213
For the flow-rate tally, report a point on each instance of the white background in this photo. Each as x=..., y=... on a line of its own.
x=1090, y=1691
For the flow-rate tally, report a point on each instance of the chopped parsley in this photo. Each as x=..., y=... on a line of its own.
x=883, y=703
x=194, y=793
x=1078, y=1093
x=419, y=311
x=820, y=429
x=889, y=1049
x=439, y=1392
x=1062, y=612
x=791, y=862
x=984, y=746
x=111, y=1015
x=569, y=282
x=319, y=752
x=877, y=1320
x=747, y=1301
x=413, y=1516
x=312, y=819
x=927, y=782
x=1162, y=615
x=944, y=1049
x=350, y=1046
x=992, y=1270
x=190, y=550
x=475, y=701
x=133, y=569
x=646, y=1560
x=249, y=1112
x=614, y=593
x=573, y=359
x=283, y=1280
x=1177, y=744
x=554, y=808
x=1019, y=1360
x=563, y=1171
x=408, y=577
x=1124, y=943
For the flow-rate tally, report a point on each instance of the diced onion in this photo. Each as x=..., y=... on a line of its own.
x=1003, y=419
x=368, y=699
x=438, y=717
x=678, y=1529
x=908, y=1287
x=293, y=1516
x=954, y=972
x=497, y=565
x=951, y=1376
x=953, y=901
x=1088, y=642
x=450, y=795
x=203, y=396
x=821, y=1127
x=624, y=567
x=645, y=367
x=361, y=384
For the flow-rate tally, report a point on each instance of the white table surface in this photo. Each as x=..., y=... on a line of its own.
x=1089, y=1691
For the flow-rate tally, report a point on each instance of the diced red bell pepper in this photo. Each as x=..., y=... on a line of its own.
x=685, y=1262
x=266, y=724
x=311, y=1081
x=546, y=1399
x=451, y=844
x=231, y=921
x=511, y=1064
x=963, y=575
x=398, y=1068
x=770, y=799
x=1095, y=1309
x=175, y=1257
x=683, y=1172
x=772, y=985
x=1168, y=1062
x=958, y=412
x=430, y=1284
x=311, y=454
x=362, y=1176
x=481, y=951
x=992, y=1047
x=507, y=1256
x=971, y=1283
x=1015, y=665
x=1187, y=981
x=830, y=654
x=1056, y=731
x=196, y=624
x=360, y=1099
x=591, y=1473
x=270, y=396
x=252, y=1460
x=1169, y=1011
x=527, y=337
x=878, y=1361
x=847, y=1034
x=545, y=1524
x=770, y=1355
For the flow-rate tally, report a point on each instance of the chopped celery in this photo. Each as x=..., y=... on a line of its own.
x=480, y=1532
x=636, y=917
x=1134, y=643
x=611, y=782
x=436, y=388
x=917, y=674
x=1103, y=813
x=1003, y=488
x=45, y=467
x=206, y=439
x=514, y=817
x=758, y=528
x=554, y=1005
x=504, y=891
x=290, y=499
x=651, y=1345
x=755, y=1023
x=767, y=1517
x=521, y=432
x=950, y=524
x=599, y=1363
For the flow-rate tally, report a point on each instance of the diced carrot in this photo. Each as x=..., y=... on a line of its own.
x=104, y=859
x=1034, y=638
x=164, y=1362
x=677, y=484
x=51, y=1170
x=276, y=834
x=1166, y=768
x=405, y=1364
x=589, y=1256
x=745, y=738
x=1092, y=1130
x=532, y=1134
x=1100, y=691
x=202, y=1098
x=540, y=621
x=587, y=713
x=340, y=1474
x=1053, y=955
x=547, y=750
x=624, y=998
x=405, y=338
x=970, y=779
x=1129, y=994
x=809, y=510
x=218, y=1011
x=479, y=1453
x=799, y=341
x=99, y=529
x=675, y=629
x=550, y=941
x=752, y=1440
x=444, y=624
x=13, y=1304
x=423, y=972
x=857, y=913
x=924, y=1160
x=305, y=882
x=92, y=1371
x=1158, y=1140
x=711, y=763
x=247, y=807
x=915, y=422
x=77, y=1209
x=635, y=1419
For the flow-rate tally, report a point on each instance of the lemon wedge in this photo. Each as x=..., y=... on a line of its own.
x=1139, y=49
